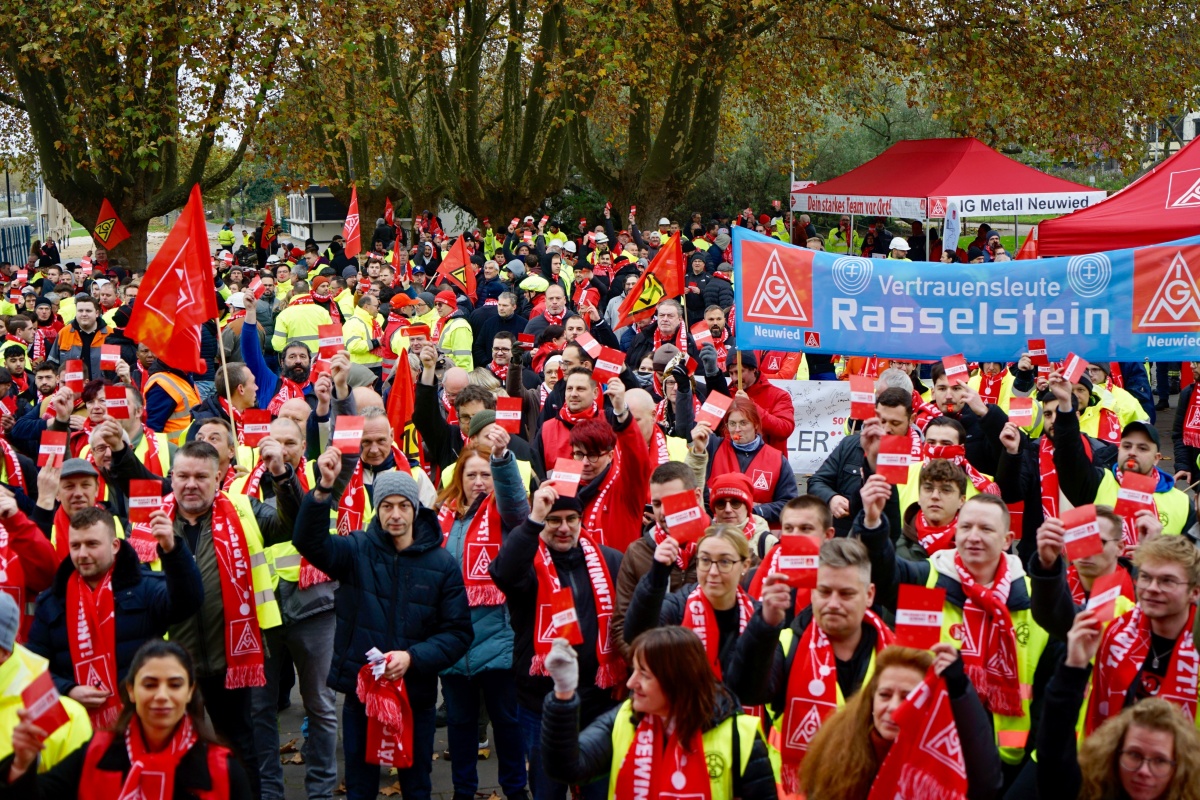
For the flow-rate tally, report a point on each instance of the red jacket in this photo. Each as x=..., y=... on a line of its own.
x=621, y=519
x=778, y=415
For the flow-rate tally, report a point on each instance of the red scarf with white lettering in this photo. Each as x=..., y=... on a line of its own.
x=611, y=669
x=699, y=617
x=92, y=640
x=926, y=759
x=1191, y=422
x=595, y=513
x=389, y=720
x=152, y=775
x=1080, y=594
x=933, y=538
x=1049, y=474
x=254, y=480
x=686, y=551
x=301, y=300
x=989, y=387
x=923, y=412
x=152, y=460
x=481, y=545
x=235, y=417
x=651, y=770
x=957, y=454
x=1120, y=660
x=351, y=511
x=555, y=319
x=12, y=576
x=812, y=693
x=574, y=418
x=770, y=565
x=659, y=454
x=288, y=389
x=679, y=339
x=12, y=466
x=991, y=663
x=21, y=381
x=500, y=371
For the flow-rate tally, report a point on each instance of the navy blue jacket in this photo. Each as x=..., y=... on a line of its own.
x=145, y=603
x=412, y=599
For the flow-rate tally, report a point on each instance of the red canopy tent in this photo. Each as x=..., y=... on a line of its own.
x=1162, y=205
x=917, y=179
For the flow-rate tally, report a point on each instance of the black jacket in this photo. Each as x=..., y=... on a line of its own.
x=1054, y=608
x=574, y=756
x=841, y=474
x=1185, y=455
x=145, y=604
x=413, y=599
x=695, y=301
x=1058, y=774
x=643, y=345
x=486, y=326
x=718, y=292
x=514, y=574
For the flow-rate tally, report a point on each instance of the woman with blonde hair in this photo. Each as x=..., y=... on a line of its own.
x=1149, y=751
x=848, y=751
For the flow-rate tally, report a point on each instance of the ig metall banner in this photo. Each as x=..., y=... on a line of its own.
x=1122, y=305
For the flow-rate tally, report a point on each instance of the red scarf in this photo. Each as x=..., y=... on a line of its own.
x=243, y=638
x=554, y=319
x=989, y=653
x=254, y=480
x=480, y=548
x=1191, y=422
x=92, y=639
x=21, y=381
x=933, y=538
x=1123, y=652
x=659, y=452
x=235, y=417
x=572, y=419
x=1109, y=429
x=679, y=339
x=1080, y=595
x=812, y=693
x=957, y=454
x=699, y=616
x=152, y=461
x=926, y=760
x=351, y=511
x=500, y=371
x=12, y=578
x=12, y=466
x=611, y=667
x=301, y=300
x=594, y=514
x=288, y=389
x=1049, y=474
x=770, y=565
x=654, y=770
x=389, y=720
x=686, y=551
x=152, y=775
x=543, y=393
x=989, y=387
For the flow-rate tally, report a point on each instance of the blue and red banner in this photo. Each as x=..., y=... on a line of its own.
x=1123, y=305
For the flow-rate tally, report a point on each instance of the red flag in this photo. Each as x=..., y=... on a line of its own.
x=350, y=231
x=1029, y=250
x=662, y=279
x=167, y=318
x=400, y=407
x=389, y=214
x=109, y=231
x=267, y=229
x=457, y=268
x=400, y=261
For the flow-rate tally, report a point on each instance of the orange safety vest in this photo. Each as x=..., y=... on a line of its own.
x=185, y=397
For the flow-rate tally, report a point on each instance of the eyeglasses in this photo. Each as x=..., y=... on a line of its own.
x=1165, y=582
x=731, y=502
x=557, y=522
x=723, y=565
x=1132, y=761
x=501, y=349
x=591, y=458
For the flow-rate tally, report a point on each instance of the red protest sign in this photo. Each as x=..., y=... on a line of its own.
x=52, y=449
x=702, y=335
x=348, y=434
x=862, y=397
x=22, y=276
x=798, y=559
x=110, y=356
x=1020, y=411
x=329, y=337
x=526, y=340
x=919, y=613
x=116, y=402
x=320, y=368
x=956, y=369
x=1135, y=494
x=256, y=287
x=714, y=409
x=256, y=425
x=508, y=413
x=589, y=344
x=564, y=617
x=1043, y=371
x=1105, y=591
x=895, y=455
x=1082, y=536
x=686, y=521
x=1037, y=353
x=609, y=364
x=145, y=497
x=1073, y=368
x=41, y=700
x=565, y=476
x=73, y=375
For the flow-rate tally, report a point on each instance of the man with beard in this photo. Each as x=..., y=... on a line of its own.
x=489, y=321
x=295, y=379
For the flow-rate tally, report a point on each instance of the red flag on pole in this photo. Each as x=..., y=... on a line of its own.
x=389, y=214
x=1029, y=250
x=400, y=261
x=167, y=317
x=457, y=268
x=109, y=231
x=350, y=231
x=267, y=230
x=661, y=280
x=400, y=409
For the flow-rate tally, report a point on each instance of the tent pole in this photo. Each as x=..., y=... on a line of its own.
x=1016, y=237
x=850, y=237
x=927, y=258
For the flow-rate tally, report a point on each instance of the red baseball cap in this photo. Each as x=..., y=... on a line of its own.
x=732, y=485
x=446, y=296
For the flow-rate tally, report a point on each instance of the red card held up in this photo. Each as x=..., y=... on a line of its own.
x=116, y=402
x=347, y=436
x=956, y=369
x=320, y=368
x=1037, y=353
x=110, y=356
x=1073, y=368
x=919, y=616
x=41, y=700
x=1082, y=535
x=1135, y=494
x=1103, y=599
x=564, y=617
x=1020, y=411
x=589, y=344
x=256, y=287
x=714, y=409
x=53, y=449
x=256, y=425
x=702, y=335
x=798, y=559
x=686, y=521
x=329, y=337
x=145, y=497
x=609, y=364
x=895, y=456
x=73, y=375
x=565, y=476
x=862, y=397
x=508, y=413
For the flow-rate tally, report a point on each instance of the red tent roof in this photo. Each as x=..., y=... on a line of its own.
x=1162, y=205
x=913, y=177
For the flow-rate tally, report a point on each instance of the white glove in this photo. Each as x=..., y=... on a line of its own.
x=563, y=666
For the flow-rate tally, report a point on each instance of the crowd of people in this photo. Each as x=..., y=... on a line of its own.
x=456, y=512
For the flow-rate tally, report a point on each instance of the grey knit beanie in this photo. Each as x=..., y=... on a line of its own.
x=394, y=482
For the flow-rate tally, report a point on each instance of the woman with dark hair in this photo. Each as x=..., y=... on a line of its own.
x=97, y=411
x=551, y=339
x=949, y=257
x=851, y=748
x=740, y=447
x=160, y=746
x=680, y=733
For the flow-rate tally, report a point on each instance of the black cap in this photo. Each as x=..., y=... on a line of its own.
x=567, y=504
x=1141, y=426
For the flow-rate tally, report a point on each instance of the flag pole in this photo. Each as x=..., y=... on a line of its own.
x=228, y=391
x=739, y=366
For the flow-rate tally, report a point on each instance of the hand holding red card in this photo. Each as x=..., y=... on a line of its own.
x=862, y=397
x=347, y=436
x=1037, y=353
x=256, y=425
x=508, y=413
x=1135, y=494
x=686, y=521
x=110, y=356
x=702, y=335
x=564, y=616
x=1020, y=411
x=1073, y=368
x=589, y=344
x=895, y=456
x=1082, y=535
x=329, y=337
x=714, y=409
x=798, y=559
x=609, y=364
x=73, y=375
x=145, y=497
x=53, y=448
x=1103, y=599
x=116, y=402
x=565, y=476
x=956, y=369
x=41, y=700
x=919, y=613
